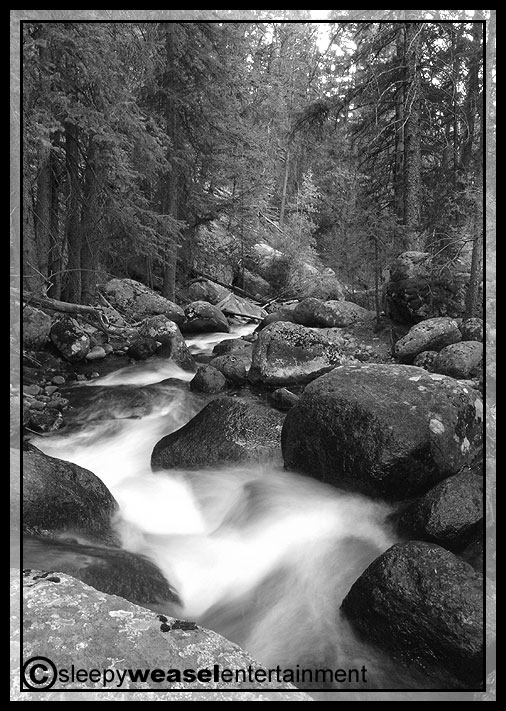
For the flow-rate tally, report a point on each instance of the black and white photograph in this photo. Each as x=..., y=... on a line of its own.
x=252, y=355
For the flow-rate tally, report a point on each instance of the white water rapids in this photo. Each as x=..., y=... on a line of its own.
x=262, y=555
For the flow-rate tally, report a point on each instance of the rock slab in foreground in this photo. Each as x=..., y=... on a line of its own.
x=387, y=430
x=92, y=630
x=287, y=353
x=60, y=496
x=226, y=430
x=425, y=606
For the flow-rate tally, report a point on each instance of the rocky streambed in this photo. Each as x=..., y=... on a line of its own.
x=310, y=496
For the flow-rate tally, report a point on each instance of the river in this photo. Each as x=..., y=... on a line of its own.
x=257, y=553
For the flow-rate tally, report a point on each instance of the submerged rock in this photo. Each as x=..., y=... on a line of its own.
x=387, y=430
x=226, y=430
x=111, y=570
x=424, y=606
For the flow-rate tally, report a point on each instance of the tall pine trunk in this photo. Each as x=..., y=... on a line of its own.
x=170, y=197
x=72, y=290
x=32, y=278
x=412, y=153
x=90, y=237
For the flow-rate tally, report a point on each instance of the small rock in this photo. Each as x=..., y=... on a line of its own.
x=48, y=421
x=37, y=405
x=80, y=377
x=96, y=353
x=58, y=380
x=107, y=348
x=93, y=375
x=31, y=389
x=472, y=329
x=50, y=389
x=208, y=380
x=283, y=399
x=142, y=348
x=425, y=360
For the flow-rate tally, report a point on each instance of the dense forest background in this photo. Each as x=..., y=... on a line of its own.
x=154, y=149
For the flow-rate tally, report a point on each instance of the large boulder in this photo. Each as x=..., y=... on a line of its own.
x=287, y=353
x=460, y=360
x=430, y=335
x=95, y=630
x=70, y=339
x=173, y=345
x=387, y=430
x=329, y=314
x=324, y=286
x=425, y=607
x=61, y=497
x=112, y=570
x=450, y=514
x=226, y=430
x=208, y=380
x=204, y=317
x=136, y=301
x=36, y=328
x=205, y=290
x=254, y=284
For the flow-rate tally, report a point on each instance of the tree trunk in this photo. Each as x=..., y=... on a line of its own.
x=90, y=235
x=42, y=210
x=399, y=134
x=32, y=278
x=72, y=290
x=170, y=196
x=285, y=184
x=55, y=253
x=412, y=171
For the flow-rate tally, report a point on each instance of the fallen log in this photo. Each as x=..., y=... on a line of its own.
x=231, y=287
x=63, y=306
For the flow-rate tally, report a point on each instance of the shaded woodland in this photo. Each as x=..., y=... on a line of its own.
x=154, y=149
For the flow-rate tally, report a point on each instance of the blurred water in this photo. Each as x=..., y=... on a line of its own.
x=259, y=554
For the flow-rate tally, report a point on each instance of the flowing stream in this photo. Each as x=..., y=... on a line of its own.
x=259, y=554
